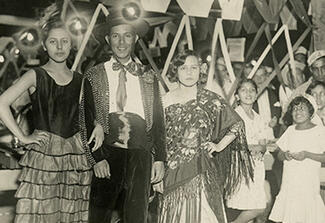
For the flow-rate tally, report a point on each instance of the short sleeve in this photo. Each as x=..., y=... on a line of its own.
x=283, y=141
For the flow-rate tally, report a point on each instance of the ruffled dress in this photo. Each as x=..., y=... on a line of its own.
x=194, y=183
x=55, y=177
x=299, y=199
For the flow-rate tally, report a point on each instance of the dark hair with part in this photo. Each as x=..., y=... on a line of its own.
x=178, y=61
x=246, y=80
x=287, y=118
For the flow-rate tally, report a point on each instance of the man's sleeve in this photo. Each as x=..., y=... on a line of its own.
x=158, y=127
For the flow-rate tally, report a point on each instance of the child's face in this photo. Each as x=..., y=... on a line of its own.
x=247, y=93
x=189, y=72
x=300, y=113
x=260, y=76
x=319, y=94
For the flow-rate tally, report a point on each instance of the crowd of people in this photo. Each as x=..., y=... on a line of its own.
x=107, y=141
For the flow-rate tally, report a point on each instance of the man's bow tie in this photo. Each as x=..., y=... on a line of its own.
x=131, y=67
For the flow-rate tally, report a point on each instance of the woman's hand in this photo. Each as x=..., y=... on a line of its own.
x=35, y=138
x=273, y=122
x=284, y=155
x=98, y=136
x=300, y=156
x=212, y=148
x=256, y=149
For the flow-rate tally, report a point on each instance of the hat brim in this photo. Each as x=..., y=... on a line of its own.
x=140, y=26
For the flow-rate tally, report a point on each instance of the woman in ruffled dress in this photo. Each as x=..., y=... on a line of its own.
x=206, y=147
x=55, y=177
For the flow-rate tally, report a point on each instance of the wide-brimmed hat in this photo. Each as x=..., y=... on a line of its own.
x=118, y=16
x=315, y=56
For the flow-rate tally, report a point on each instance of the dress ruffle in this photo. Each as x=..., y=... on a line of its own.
x=288, y=210
x=184, y=186
x=55, y=182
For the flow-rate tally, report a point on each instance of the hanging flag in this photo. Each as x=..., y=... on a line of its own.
x=299, y=8
x=199, y=8
x=231, y=9
x=250, y=24
x=288, y=18
x=155, y=5
x=270, y=12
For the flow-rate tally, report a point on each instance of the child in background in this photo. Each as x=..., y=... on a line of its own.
x=302, y=148
x=251, y=198
x=317, y=90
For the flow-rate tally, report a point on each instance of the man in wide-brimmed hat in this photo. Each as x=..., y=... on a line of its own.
x=129, y=108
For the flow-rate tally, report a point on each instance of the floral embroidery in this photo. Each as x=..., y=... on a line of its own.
x=189, y=126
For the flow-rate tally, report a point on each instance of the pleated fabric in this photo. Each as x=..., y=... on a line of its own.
x=55, y=182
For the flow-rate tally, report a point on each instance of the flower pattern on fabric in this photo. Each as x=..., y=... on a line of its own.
x=189, y=126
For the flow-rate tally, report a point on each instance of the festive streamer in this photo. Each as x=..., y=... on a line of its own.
x=99, y=8
x=284, y=60
x=173, y=47
x=188, y=32
x=153, y=64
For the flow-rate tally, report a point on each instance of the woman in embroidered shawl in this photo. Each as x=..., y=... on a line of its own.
x=207, y=153
x=55, y=177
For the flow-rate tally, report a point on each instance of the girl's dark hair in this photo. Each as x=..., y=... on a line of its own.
x=315, y=84
x=178, y=61
x=246, y=80
x=287, y=118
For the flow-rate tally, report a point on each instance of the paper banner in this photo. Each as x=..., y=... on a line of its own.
x=236, y=47
x=155, y=5
x=199, y=8
x=231, y=9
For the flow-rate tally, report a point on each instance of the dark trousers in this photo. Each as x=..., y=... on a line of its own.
x=130, y=180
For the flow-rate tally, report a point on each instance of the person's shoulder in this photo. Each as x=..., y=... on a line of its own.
x=148, y=74
x=320, y=129
x=167, y=99
x=216, y=98
x=95, y=69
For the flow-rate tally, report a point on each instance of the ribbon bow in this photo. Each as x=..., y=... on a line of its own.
x=131, y=67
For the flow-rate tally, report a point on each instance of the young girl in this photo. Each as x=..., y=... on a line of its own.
x=251, y=198
x=55, y=177
x=302, y=148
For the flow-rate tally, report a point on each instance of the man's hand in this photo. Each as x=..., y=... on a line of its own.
x=102, y=169
x=157, y=171
x=98, y=136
